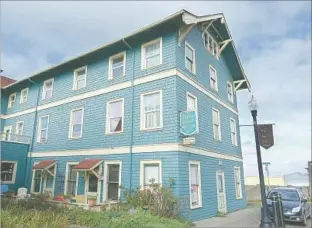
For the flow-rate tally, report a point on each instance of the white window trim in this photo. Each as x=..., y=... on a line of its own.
x=196, y=108
x=66, y=177
x=9, y=103
x=235, y=129
x=70, y=132
x=110, y=67
x=217, y=56
x=232, y=91
x=75, y=77
x=106, y=163
x=5, y=129
x=39, y=128
x=107, y=131
x=194, y=56
x=21, y=97
x=43, y=88
x=146, y=162
x=16, y=127
x=220, y=138
x=33, y=180
x=143, y=62
x=14, y=172
x=200, y=203
x=216, y=79
x=142, y=117
x=240, y=181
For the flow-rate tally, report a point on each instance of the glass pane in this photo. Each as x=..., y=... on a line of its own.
x=215, y=117
x=115, y=109
x=118, y=62
x=44, y=122
x=112, y=192
x=151, y=174
x=77, y=130
x=93, y=183
x=220, y=183
x=152, y=61
x=117, y=72
x=152, y=49
x=116, y=124
x=189, y=65
x=189, y=53
x=152, y=102
x=113, y=173
x=80, y=84
x=215, y=132
x=194, y=174
x=152, y=119
x=7, y=167
x=80, y=72
x=77, y=117
x=43, y=135
x=212, y=73
x=191, y=103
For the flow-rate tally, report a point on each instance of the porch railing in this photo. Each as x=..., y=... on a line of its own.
x=14, y=138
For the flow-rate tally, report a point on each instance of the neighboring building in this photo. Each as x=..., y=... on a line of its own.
x=273, y=181
x=5, y=81
x=112, y=117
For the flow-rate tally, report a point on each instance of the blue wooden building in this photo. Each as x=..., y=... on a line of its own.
x=111, y=117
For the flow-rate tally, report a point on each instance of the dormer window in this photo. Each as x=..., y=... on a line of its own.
x=211, y=44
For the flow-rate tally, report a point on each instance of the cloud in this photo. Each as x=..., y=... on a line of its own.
x=273, y=40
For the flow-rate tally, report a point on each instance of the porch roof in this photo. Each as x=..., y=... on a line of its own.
x=87, y=164
x=45, y=164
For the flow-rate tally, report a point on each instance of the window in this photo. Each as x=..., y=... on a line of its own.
x=151, y=110
x=192, y=104
x=8, y=172
x=47, y=89
x=238, y=184
x=12, y=99
x=80, y=77
x=213, y=78
x=112, y=179
x=24, y=96
x=37, y=179
x=211, y=45
x=71, y=179
x=43, y=129
x=152, y=53
x=233, y=131
x=190, y=58
x=114, y=119
x=19, y=128
x=76, y=121
x=216, y=124
x=230, y=92
x=117, y=66
x=7, y=130
x=150, y=173
x=195, y=184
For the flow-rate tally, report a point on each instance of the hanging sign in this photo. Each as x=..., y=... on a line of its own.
x=188, y=123
x=266, y=138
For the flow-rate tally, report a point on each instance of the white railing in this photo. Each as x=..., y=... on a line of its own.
x=14, y=138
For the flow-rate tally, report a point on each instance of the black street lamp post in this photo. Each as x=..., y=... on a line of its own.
x=265, y=220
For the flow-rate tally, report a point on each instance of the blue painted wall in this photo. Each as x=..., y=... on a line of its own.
x=17, y=152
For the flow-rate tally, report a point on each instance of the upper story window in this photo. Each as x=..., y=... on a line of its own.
x=211, y=44
x=76, y=122
x=213, y=78
x=191, y=101
x=8, y=172
x=190, y=58
x=12, y=99
x=115, y=113
x=195, y=184
x=80, y=78
x=233, y=131
x=117, y=66
x=230, y=92
x=151, y=173
x=43, y=129
x=47, y=89
x=151, y=110
x=216, y=124
x=152, y=53
x=24, y=96
x=19, y=128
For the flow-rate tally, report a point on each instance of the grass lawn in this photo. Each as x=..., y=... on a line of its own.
x=40, y=214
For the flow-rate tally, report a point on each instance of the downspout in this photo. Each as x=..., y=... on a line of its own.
x=132, y=108
x=31, y=146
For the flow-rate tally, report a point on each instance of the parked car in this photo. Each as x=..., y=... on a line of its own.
x=295, y=205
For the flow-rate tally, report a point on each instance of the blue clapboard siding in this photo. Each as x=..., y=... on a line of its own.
x=17, y=152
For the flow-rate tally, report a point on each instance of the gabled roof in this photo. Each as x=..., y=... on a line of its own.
x=181, y=17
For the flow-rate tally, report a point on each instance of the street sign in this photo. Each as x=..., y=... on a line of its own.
x=188, y=123
x=266, y=138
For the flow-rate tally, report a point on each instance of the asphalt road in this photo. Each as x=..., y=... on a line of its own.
x=249, y=217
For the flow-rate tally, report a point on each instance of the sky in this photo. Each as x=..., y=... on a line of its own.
x=273, y=40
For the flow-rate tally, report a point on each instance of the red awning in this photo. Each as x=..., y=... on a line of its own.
x=88, y=164
x=44, y=164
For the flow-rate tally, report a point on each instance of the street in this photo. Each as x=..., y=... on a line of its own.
x=249, y=217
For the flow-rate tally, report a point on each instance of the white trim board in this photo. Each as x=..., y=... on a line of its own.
x=152, y=77
x=165, y=147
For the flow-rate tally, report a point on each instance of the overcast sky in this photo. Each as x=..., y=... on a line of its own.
x=273, y=40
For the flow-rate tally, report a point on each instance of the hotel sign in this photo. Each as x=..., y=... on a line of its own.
x=188, y=123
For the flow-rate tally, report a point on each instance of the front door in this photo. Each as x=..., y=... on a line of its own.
x=221, y=195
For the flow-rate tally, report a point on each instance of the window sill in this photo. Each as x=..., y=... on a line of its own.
x=7, y=182
x=196, y=207
x=144, y=68
x=239, y=198
x=74, y=138
x=152, y=129
x=116, y=77
x=217, y=140
x=39, y=142
x=114, y=133
x=78, y=89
